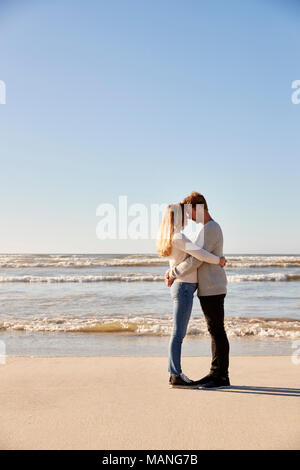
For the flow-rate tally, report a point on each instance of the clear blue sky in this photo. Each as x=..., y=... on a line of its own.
x=149, y=99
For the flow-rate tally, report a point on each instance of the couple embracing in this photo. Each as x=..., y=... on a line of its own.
x=195, y=266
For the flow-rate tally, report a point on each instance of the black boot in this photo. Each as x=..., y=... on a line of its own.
x=217, y=382
x=204, y=380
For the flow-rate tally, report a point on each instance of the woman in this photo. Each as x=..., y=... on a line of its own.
x=173, y=243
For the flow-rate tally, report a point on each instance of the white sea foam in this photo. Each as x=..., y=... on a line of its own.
x=128, y=277
x=270, y=277
x=90, y=261
x=263, y=261
x=73, y=261
x=141, y=277
x=235, y=327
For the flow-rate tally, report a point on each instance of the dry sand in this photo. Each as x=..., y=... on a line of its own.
x=125, y=403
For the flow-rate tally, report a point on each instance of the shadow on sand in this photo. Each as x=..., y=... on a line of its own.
x=277, y=391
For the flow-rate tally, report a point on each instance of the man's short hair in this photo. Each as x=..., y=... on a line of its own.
x=195, y=198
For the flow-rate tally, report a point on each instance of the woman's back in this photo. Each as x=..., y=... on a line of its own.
x=180, y=241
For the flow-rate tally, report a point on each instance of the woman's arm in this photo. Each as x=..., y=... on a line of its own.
x=181, y=242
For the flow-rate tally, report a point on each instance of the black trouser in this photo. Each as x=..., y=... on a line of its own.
x=213, y=309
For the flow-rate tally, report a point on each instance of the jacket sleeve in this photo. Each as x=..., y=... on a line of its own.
x=184, y=244
x=194, y=261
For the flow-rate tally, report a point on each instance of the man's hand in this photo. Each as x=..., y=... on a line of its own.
x=223, y=261
x=168, y=281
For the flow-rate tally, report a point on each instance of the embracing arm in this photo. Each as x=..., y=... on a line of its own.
x=197, y=257
x=185, y=267
x=184, y=244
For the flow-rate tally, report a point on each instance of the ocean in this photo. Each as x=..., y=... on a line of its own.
x=95, y=304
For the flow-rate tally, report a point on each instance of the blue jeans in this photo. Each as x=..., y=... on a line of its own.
x=182, y=294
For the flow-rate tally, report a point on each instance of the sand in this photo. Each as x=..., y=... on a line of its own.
x=125, y=403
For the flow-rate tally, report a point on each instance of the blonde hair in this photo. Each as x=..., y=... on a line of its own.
x=172, y=222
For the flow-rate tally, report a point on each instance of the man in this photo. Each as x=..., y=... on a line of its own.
x=212, y=290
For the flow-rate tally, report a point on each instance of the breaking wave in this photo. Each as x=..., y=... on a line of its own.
x=90, y=261
x=235, y=327
x=141, y=277
x=73, y=261
x=128, y=277
x=271, y=277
